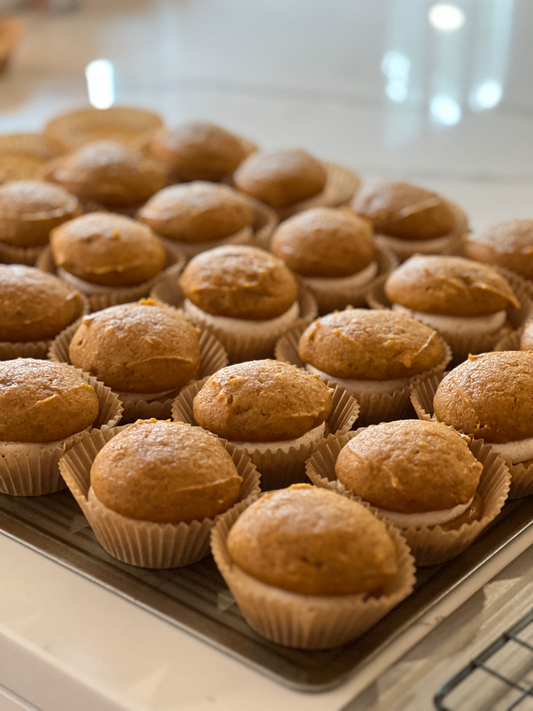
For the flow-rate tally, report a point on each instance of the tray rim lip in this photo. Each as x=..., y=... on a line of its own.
x=305, y=686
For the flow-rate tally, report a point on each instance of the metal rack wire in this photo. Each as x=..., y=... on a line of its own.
x=498, y=679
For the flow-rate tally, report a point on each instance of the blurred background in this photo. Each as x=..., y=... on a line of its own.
x=436, y=93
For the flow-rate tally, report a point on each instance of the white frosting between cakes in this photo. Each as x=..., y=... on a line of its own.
x=244, y=326
x=191, y=249
x=363, y=386
x=361, y=278
x=472, y=325
x=516, y=451
x=428, y=518
x=425, y=246
x=313, y=435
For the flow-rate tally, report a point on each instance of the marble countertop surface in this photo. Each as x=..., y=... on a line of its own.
x=390, y=88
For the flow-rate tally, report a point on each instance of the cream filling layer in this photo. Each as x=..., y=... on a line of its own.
x=243, y=326
x=363, y=386
x=353, y=281
x=308, y=438
x=516, y=451
x=428, y=518
x=426, y=246
x=191, y=249
x=463, y=325
x=85, y=286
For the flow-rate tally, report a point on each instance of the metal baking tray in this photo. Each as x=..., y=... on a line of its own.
x=195, y=598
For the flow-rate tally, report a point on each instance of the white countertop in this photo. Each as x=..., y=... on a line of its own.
x=314, y=75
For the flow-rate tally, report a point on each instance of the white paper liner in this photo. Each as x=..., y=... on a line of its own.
x=39, y=349
x=143, y=543
x=137, y=406
x=404, y=248
x=33, y=471
x=374, y=407
x=123, y=294
x=462, y=344
x=240, y=347
x=341, y=184
x=280, y=466
x=308, y=621
x=330, y=298
x=422, y=399
x=430, y=545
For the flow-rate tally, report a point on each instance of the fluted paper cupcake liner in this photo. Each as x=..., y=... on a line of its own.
x=330, y=297
x=20, y=255
x=113, y=296
x=143, y=543
x=374, y=407
x=38, y=349
x=510, y=342
x=429, y=545
x=128, y=125
x=341, y=184
x=463, y=343
x=422, y=399
x=139, y=406
x=403, y=249
x=308, y=621
x=28, y=469
x=34, y=145
x=282, y=464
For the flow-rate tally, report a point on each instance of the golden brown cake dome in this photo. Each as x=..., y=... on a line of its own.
x=281, y=178
x=507, y=244
x=451, y=286
x=370, y=345
x=30, y=209
x=165, y=472
x=41, y=401
x=409, y=466
x=489, y=396
x=324, y=242
x=399, y=209
x=36, y=306
x=108, y=249
x=197, y=212
x=111, y=174
x=198, y=151
x=139, y=347
x=313, y=542
x=262, y=401
x=239, y=282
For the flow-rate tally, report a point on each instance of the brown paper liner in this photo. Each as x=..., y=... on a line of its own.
x=463, y=344
x=124, y=294
x=38, y=349
x=20, y=255
x=430, y=545
x=240, y=347
x=130, y=126
x=32, y=471
x=374, y=407
x=279, y=467
x=422, y=399
x=452, y=247
x=213, y=357
x=15, y=147
x=510, y=342
x=330, y=297
x=341, y=184
x=143, y=543
x=308, y=621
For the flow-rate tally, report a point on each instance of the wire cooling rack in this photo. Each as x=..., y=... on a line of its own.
x=498, y=679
